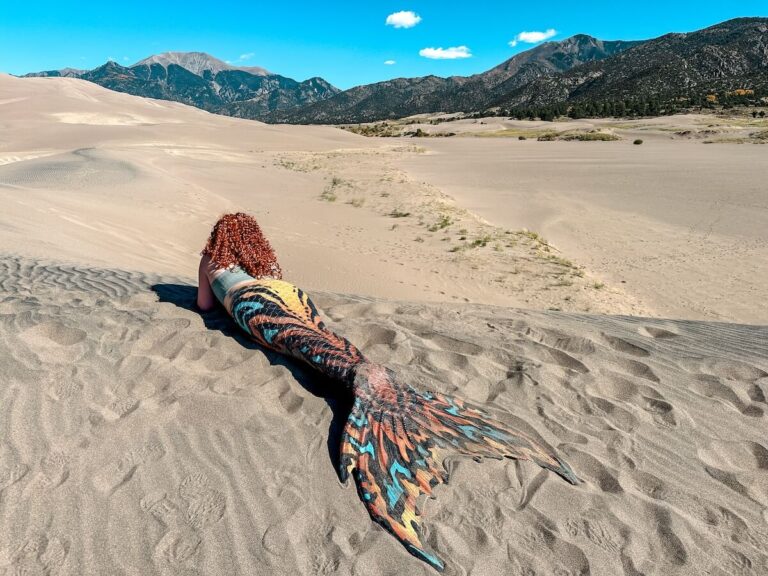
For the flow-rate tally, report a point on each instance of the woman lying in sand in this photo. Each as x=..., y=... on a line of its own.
x=396, y=437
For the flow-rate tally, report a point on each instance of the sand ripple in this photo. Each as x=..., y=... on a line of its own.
x=139, y=437
x=76, y=170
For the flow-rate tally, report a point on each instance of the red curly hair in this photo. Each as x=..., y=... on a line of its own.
x=237, y=240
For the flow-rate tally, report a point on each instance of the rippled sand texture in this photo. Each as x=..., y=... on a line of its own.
x=138, y=437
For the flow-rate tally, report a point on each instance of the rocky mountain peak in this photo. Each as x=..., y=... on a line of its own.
x=197, y=63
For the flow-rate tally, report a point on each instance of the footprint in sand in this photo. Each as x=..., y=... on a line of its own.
x=656, y=332
x=11, y=471
x=62, y=390
x=120, y=408
x=545, y=354
x=561, y=341
x=597, y=531
x=120, y=471
x=625, y=346
x=158, y=504
x=54, y=471
x=57, y=333
x=36, y=554
x=178, y=546
x=559, y=556
x=724, y=388
x=639, y=369
x=204, y=504
x=734, y=456
x=662, y=412
x=283, y=488
x=179, y=543
x=54, y=341
x=719, y=522
x=672, y=554
x=63, y=382
x=757, y=391
x=724, y=368
x=201, y=506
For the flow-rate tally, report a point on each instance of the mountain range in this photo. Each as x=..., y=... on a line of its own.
x=406, y=96
x=728, y=56
x=201, y=80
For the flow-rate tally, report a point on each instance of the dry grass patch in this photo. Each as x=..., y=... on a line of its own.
x=591, y=136
x=511, y=133
x=442, y=223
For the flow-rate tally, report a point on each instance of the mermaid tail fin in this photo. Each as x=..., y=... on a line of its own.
x=391, y=469
x=395, y=441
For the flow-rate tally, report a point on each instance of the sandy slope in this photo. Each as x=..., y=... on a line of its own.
x=681, y=225
x=141, y=438
x=95, y=176
x=672, y=228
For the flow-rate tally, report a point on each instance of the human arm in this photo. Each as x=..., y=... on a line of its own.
x=205, y=298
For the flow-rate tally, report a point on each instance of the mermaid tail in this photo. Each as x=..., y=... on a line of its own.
x=396, y=438
x=280, y=316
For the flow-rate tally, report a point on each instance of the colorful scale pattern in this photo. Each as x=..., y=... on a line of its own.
x=280, y=316
x=396, y=437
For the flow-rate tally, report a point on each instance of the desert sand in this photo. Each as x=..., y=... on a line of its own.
x=681, y=225
x=140, y=437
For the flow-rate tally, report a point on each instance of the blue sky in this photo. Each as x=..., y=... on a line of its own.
x=345, y=42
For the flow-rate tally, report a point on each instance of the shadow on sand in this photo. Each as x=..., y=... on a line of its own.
x=185, y=296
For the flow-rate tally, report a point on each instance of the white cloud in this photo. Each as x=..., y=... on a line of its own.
x=446, y=53
x=533, y=37
x=241, y=59
x=403, y=19
x=389, y=62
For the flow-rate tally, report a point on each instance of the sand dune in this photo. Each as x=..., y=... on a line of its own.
x=142, y=438
x=139, y=437
x=678, y=224
x=99, y=177
x=672, y=228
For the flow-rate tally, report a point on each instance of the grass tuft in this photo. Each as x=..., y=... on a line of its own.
x=444, y=222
